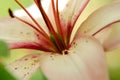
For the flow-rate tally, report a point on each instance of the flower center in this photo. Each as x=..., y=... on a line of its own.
x=55, y=37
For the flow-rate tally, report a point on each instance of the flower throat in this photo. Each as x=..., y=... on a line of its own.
x=55, y=38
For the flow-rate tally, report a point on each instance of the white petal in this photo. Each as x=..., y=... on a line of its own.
x=70, y=13
x=70, y=10
x=113, y=40
x=91, y=7
x=14, y=30
x=100, y=18
x=33, y=10
x=25, y=67
x=20, y=35
x=85, y=61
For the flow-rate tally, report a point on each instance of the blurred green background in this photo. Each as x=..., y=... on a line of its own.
x=113, y=58
x=5, y=4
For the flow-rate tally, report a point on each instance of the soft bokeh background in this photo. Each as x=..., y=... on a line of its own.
x=5, y=4
x=113, y=58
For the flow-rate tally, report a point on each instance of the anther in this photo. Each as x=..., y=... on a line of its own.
x=10, y=13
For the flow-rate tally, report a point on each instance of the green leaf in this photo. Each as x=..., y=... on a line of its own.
x=4, y=51
x=4, y=74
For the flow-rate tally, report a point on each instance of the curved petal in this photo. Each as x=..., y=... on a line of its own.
x=70, y=11
x=85, y=60
x=20, y=35
x=100, y=18
x=25, y=67
x=113, y=40
x=69, y=15
x=92, y=6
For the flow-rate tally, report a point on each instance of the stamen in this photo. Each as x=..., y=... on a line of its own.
x=37, y=2
x=10, y=13
x=50, y=27
x=57, y=40
x=13, y=16
x=43, y=32
x=105, y=27
x=57, y=21
x=31, y=25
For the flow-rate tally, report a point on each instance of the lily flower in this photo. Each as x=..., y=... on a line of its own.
x=66, y=54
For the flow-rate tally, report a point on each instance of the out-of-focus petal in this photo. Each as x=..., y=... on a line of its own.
x=113, y=40
x=100, y=18
x=103, y=35
x=25, y=67
x=91, y=7
x=20, y=35
x=85, y=60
